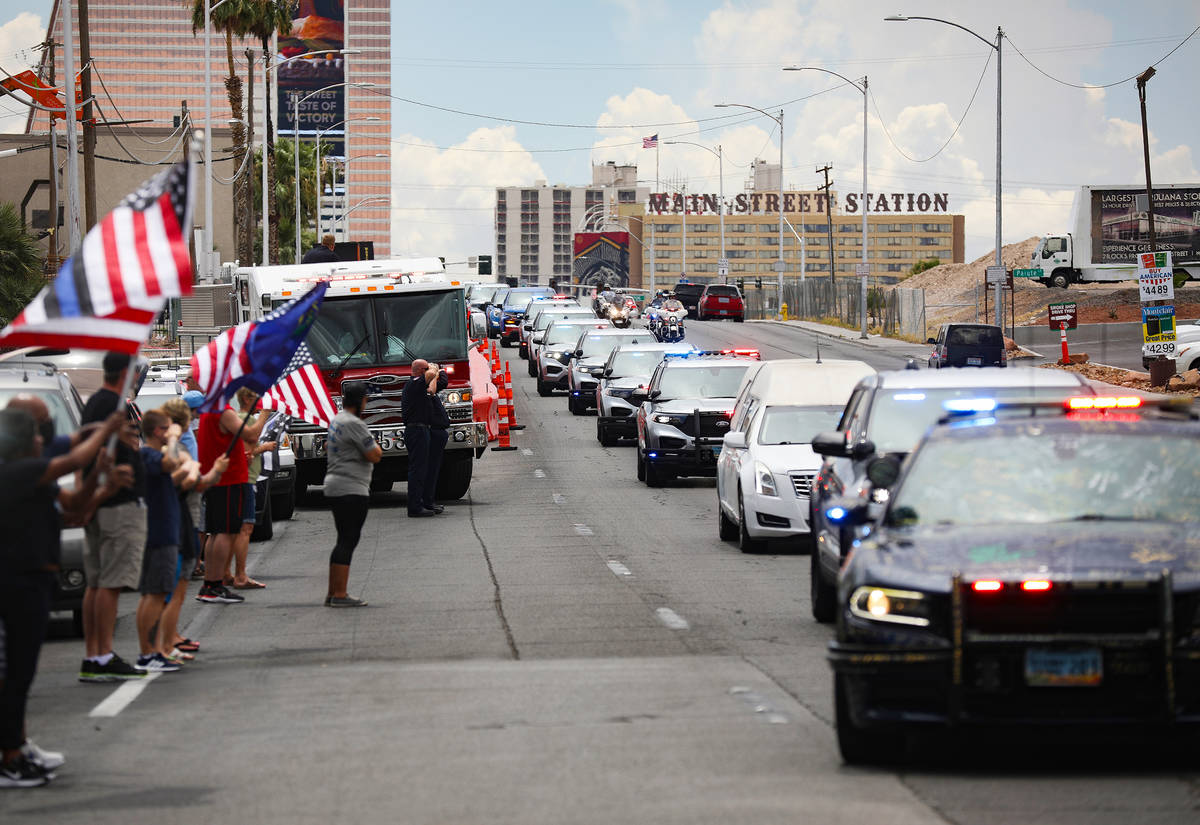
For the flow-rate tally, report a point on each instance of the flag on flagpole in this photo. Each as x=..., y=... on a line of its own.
x=254, y=354
x=301, y=392
x=650, y=142
x=108, y=293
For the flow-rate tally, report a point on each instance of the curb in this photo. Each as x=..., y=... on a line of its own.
x=869, y=342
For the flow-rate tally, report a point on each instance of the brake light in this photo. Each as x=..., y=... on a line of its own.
x=1035, y=585
x=1104, y=402
x=986, y=586
x=748, y=353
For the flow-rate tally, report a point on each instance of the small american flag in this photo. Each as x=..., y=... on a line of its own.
x=301, y=392
x=650, y=142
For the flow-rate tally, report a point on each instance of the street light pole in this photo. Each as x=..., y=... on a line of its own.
x=779, y=265
x=320, y=183
x=998, y=46
x=721, y=174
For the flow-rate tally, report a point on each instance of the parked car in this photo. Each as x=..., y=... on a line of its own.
x=720, y=301
x=968, y=345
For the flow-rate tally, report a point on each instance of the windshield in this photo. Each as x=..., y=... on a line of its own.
x=634, y=362
x=702, y=382
x=1037, y=479
x=796, y=425
x=544, y=318
x=482, y=294
x=64, y=422
x=562, y=334
x=599, y=347
x=414, y=325
x=518, y=300
x=900, y=417
x=723, y=291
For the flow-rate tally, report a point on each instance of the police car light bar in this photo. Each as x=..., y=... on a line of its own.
x=716, y=353
x=1103, y=402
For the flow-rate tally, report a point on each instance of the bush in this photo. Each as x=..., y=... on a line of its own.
x=921, y=266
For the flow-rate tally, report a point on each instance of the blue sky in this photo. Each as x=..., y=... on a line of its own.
x=640, y=67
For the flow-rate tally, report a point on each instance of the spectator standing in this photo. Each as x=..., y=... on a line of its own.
x=224, y=502
x=418, y=416
x=115, y=537
x=235, y=572
x=30, y=501
x=439, y=434
x=322, y=253
x=350, y=454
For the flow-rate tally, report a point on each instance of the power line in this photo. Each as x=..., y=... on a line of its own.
x=1104, y=85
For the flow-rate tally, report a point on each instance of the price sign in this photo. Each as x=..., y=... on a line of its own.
x=1164, y=348
x=1063, y=313
x=1154, y=260
x=1156, y=284
x=1158, y=324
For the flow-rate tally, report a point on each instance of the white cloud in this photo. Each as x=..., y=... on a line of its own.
x=17, y=39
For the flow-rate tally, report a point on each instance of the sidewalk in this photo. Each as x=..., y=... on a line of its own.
x=894, y=345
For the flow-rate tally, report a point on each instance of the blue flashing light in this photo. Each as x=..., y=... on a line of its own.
x=969, y=405
x=909, y=396
x=574, y=392
x=836, y=514
x=973, y=422
x=651, y=455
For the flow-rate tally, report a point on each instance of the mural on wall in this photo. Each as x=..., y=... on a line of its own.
x=601, y=259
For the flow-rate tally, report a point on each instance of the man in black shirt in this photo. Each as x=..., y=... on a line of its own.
x=116, y=537
x=419, y=415
x=322, y=253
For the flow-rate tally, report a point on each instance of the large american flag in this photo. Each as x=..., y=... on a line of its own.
x=650, y=142
x=301, y=391
x=255, y=353
x=108, y=293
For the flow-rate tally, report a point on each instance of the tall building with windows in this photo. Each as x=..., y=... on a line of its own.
x=149, y=65
x=536, y=225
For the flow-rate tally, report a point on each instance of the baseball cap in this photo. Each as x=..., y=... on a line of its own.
x=194, y=398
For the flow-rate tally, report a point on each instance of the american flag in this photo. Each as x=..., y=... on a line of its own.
x=108, y=293
x=256, y=353
x=301, y=392
x=650, y=142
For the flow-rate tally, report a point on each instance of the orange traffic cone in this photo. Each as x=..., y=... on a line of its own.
x=512, y=408
x=505, y=415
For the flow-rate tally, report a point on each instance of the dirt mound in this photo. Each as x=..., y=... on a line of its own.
x=1122, y=378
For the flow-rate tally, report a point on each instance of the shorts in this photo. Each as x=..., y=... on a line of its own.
x=223, y=509
x=116, y=539
x=160, y=566
x=248, y=505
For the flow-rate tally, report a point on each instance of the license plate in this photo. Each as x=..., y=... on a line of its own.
x=1064, y=668
x=716, y=450
x=722, y=300
x=974, y=362
x=724, y=311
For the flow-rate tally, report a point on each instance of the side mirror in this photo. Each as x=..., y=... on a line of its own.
x=930, y=340
x=735, y=441
x=607, y=372
x=639, y=395
x=830, y=444
x=861, y=450
x=578, y=353
x=883, y=471
x=538, y=337
x=478, y=325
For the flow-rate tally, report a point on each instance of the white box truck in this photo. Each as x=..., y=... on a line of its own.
x=1108, y=231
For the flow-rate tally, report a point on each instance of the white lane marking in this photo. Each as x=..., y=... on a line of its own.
x=526, y=451
x=583, y=529
x=559, y=498
x=123, y=696
x=539, y=473
x=619, y=569
x=671, y=619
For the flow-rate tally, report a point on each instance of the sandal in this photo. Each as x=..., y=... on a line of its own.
x=178, y=655
x=249, y=584
x=187, y=646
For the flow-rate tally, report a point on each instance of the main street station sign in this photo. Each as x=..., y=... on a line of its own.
x=798, y=203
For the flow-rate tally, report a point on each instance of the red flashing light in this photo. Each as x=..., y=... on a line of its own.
x=1035, y=585
x=1104, y=402
x=987, y=586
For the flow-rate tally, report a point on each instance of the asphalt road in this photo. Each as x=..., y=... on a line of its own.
x=564, y=645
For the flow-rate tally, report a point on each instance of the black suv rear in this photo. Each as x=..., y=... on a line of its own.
x=689, y=296
x=968, y=345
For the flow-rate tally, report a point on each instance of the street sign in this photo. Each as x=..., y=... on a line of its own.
x=862, y=269
x=1065, y=312
x=1154, y=260
x=1164, y=348
x=723, y=267
x=1158, y=324
x=1156, y=284
x=1028, y=273
x=997, y=275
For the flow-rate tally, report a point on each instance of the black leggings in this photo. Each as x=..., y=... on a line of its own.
x=25, y=612
x=349, y=513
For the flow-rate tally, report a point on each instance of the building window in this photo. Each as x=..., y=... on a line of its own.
x=626, y=196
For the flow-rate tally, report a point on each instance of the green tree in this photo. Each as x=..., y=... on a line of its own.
x=285, y=196
x=20, y=264
x=921, y=266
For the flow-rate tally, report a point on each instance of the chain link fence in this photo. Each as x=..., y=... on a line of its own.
x=890, y=310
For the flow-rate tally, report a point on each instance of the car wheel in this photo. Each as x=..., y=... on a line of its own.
x=641, y=465
x=746, y=542
x=573, y=405
x=454, y=479
x=1059, y=280
x=605, y=439
x=823, y=594
x=544, y=389
x=654, y=476
x=504, y=342
x=740, y=318
x=265, y=529
x=522, y=352
x=726, y=529
x=282, y=507
x=860, y=745
x=532, y=369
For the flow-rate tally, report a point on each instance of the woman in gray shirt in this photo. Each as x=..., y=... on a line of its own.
x=350, y=452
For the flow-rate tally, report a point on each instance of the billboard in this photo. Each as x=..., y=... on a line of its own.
x=1120, y=231
x=318, y=25
x=601, y=259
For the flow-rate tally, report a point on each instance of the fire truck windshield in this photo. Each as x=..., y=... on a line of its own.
x=392, y=329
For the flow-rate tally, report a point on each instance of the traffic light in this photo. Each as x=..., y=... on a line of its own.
x=485, y=265
x=758, y=283
x=741, y=284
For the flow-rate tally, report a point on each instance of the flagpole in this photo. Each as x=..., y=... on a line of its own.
x=129, y=372
x=237, y=436
x=653, y=225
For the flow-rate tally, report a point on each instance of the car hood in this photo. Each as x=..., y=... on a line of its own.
x=927, y=557
x=686, y=405
x=786, y=458
x=628, y=382
x=588, y=365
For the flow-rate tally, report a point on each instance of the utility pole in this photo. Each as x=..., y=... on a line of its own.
x=247, y=253
x=89, y=122
x=52, y=257
x=72, y=131
x=825, y=170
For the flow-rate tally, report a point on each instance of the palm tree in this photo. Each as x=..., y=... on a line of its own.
x=285, y=196
x=20, y=264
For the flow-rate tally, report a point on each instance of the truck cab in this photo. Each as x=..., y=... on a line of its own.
x=376, y=319
x=1054, y=255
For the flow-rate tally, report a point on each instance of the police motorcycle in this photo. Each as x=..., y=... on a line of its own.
x=666, y=323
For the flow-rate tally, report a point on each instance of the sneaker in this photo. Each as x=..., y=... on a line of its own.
x=347, y=601
x=44, y=759
x=157, y=663
x=90, y=671
x=218, y=594
x=116, y=670
x=22, y=773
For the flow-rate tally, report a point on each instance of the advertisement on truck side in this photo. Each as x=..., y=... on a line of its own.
x=1120, y=231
